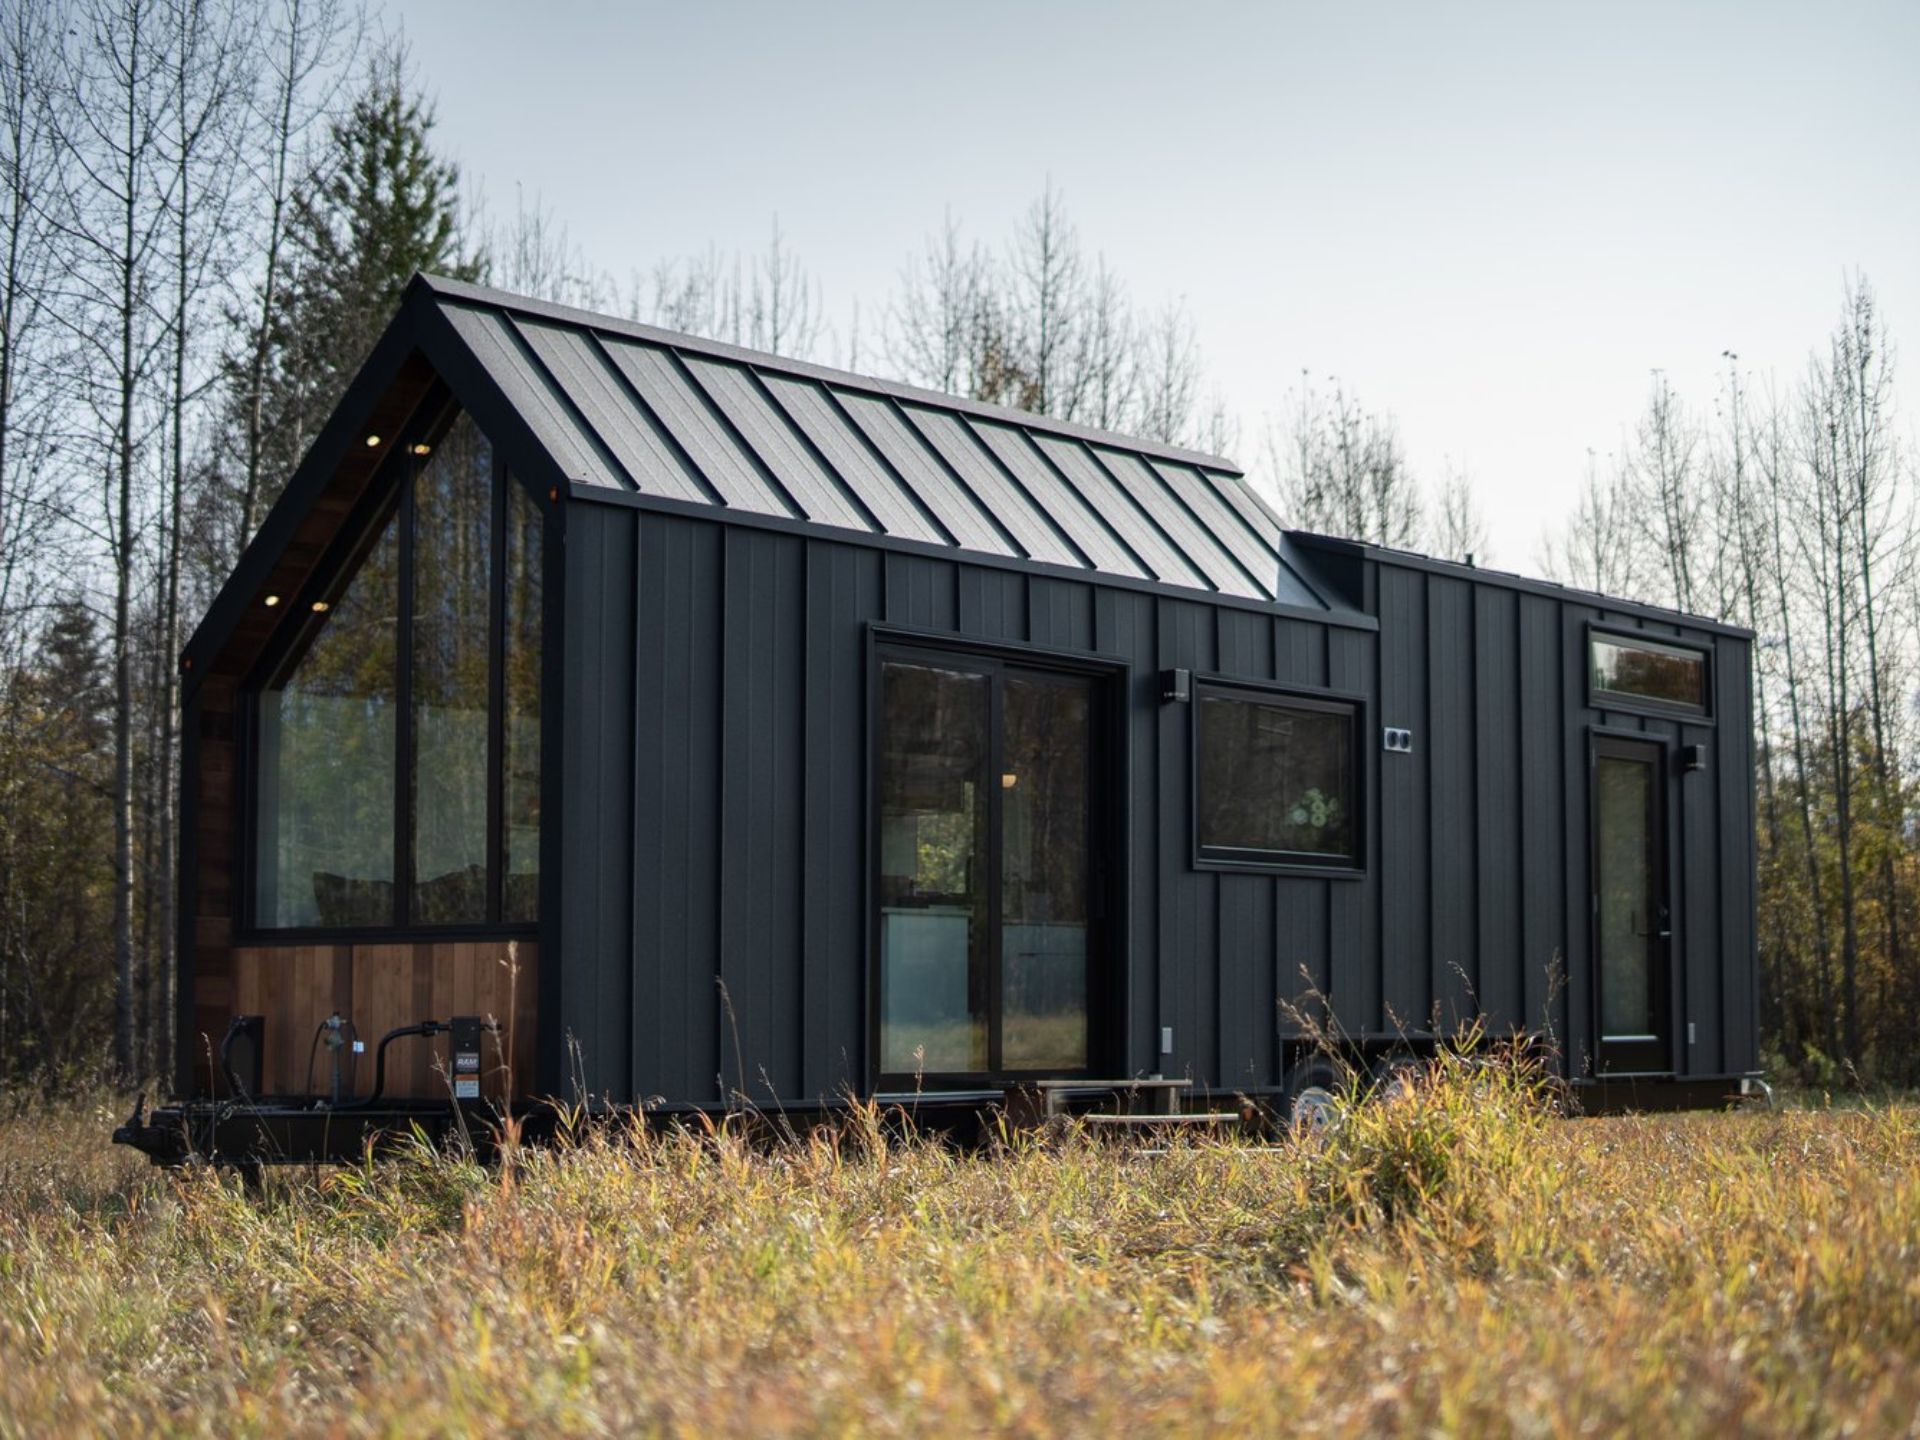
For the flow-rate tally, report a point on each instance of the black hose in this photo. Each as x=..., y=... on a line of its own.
x=226, y=1061
x=426, y=1028
x=313, y=1048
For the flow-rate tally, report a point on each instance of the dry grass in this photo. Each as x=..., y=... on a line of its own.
x=1455, y=1262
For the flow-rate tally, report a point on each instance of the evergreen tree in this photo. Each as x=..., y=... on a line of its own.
x=379, y=206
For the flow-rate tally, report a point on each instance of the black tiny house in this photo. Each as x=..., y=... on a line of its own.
x=735, y=731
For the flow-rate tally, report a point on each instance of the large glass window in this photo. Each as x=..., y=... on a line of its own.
x=452, y=645
x=520, y=706
x=1276, y=780
x=403, y=719
x=324, y=831
x=1645, y=672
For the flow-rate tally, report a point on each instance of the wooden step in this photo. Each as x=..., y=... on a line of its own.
x=1160, y=1122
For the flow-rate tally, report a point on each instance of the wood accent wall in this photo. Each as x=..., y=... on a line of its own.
x=382, y=987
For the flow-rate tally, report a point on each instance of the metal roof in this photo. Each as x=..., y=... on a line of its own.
x=638, y=410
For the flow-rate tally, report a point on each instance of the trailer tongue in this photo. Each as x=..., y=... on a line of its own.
x=247, y=1129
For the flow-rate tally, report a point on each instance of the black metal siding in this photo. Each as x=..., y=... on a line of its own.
x=716, y=844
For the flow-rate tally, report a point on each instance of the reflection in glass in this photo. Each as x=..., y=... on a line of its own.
x=326, y=768
x=1644, y=670
x=452, y=566
x=1276, y=779
x=520, y=785
x=932, y=780
x=1043, y=874
x=1623, y=797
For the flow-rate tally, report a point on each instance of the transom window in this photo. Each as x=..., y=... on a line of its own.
x=1646, y=674
x=1275, y=780
x=397, y=736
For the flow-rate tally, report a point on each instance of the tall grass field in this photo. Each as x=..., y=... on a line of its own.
x=1451, y=1261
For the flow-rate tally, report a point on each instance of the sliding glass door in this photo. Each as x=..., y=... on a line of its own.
x=987, y=867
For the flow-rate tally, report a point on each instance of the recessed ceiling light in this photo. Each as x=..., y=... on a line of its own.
x=320, y=607
x=423, y=449
x=272, y=600
x=372, y=440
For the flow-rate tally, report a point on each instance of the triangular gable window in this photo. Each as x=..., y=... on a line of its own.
x=397, y=732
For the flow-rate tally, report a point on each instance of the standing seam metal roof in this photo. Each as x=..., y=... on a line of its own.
x=636, y=409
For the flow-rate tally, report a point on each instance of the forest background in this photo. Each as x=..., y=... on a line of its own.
x=209, y=209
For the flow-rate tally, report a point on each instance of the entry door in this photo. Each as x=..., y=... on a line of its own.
x=987, y=868
x=1633, y=927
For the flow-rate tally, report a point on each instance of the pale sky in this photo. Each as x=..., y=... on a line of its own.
x=1493, y=221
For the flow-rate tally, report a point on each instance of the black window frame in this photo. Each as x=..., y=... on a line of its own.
x=1625, y=701
x=390, y=494
x=1233, y=859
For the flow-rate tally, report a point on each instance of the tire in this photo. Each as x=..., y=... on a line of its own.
x=1313, y=1093
x=1395, y=1076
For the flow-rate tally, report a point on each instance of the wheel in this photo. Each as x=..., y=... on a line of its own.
x=1313, y=1088
x=1395, y=1076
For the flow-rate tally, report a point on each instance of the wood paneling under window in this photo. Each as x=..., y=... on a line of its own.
x=380, y=988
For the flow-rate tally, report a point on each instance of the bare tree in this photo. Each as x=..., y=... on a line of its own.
x=305, y=48
x=201, y=141
x=111, y=226
x=1340, y=470
x=532, y=253
x=1664, y=464
x=1598, y=547
x=1047, y=303
x=768, y=301
x=1459, y=530
x=1119, y=356
x=30, y=377
x=1169, y=368
x=932, y=320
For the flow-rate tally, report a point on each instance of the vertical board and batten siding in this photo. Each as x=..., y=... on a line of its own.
x=715, y=925
x=715, y=828
x=1406, y=914
x=1485, y=858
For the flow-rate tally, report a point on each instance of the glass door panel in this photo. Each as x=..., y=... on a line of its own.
x=1631, y=914
x=932, y=780
x=984, y=777
x=1045, y=825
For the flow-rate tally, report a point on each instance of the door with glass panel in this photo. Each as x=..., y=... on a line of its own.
x=1633, y=927
x=988, y=867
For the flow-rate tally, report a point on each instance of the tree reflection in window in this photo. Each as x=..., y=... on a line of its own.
x=1276, y=780
x=452, y=570
x=520, y=789
x=326, y=770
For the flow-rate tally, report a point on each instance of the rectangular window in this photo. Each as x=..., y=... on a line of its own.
x=1276, y=780
x=1646, y=673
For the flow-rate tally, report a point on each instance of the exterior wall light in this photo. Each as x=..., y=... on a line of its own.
x=320, y=607
x=271, y=601
x=372, y=440
x=423, y=449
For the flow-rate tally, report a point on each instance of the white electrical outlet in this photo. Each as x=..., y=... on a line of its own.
x=1166, y=1039
x=1690, y=1034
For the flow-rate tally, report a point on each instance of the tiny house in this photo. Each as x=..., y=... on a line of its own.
x=717, y=730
